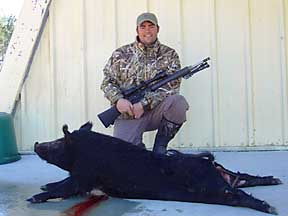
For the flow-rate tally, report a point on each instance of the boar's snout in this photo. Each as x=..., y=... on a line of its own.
x=35, y=146
x=41, y=150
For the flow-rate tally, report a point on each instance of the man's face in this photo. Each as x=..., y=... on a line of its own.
x=147, y=33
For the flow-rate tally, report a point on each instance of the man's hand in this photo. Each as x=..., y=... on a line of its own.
x=125, y=106
x=138, y=110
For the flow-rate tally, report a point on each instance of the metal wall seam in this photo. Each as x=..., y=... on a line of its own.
x=250, y=139
x=180, y=27
x=147, y=5
x=180, y=136
x=52, y=62
x=83, y=61
x=23, y=115
x=117, y=42
x=283, y=63
x=217, y=132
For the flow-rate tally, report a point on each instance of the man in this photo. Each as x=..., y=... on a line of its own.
x=132, y=64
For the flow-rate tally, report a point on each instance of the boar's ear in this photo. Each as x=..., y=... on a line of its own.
x=67, y=134
x=87, y=126
x=65, y=129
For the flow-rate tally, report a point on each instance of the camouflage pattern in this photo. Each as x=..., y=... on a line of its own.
x=134, y=63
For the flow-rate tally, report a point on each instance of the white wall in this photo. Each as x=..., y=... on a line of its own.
x=240, y=102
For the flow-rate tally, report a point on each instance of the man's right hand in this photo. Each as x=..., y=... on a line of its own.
x=124, y=106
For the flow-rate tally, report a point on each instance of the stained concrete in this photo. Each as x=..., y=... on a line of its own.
x=22, y=179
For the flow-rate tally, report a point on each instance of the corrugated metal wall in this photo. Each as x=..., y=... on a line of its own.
x=240, y=102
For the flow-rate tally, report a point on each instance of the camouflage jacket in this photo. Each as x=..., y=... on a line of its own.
x=134, y=63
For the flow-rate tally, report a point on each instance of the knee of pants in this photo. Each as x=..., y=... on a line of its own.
x=129, y=131
x=177, y=109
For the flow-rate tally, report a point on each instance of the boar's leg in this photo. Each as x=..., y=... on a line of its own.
x=240, y=180
x=237, y=197
x=232, y=197
x=51, y=186
x=63, y=190
x=224, y=196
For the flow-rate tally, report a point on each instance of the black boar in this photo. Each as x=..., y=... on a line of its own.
x=120, y=169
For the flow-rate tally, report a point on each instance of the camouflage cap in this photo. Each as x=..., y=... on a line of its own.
x=146, y=17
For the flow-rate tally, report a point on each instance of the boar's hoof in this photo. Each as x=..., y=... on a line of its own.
x=272, y=210
x=33, y=200
x=269, y=209
x=266, y=180
x=277, y=181
x=39, y=198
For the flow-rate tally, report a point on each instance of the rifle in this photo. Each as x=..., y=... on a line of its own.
x=137, y=93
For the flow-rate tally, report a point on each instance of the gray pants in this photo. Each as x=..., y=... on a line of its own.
x=173, y=108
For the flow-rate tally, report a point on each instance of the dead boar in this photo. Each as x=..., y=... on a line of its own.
x=120, y=169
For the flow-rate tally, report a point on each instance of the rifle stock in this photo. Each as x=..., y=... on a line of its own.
x=108, y=116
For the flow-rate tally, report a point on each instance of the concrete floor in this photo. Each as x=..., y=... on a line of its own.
x=22, y=179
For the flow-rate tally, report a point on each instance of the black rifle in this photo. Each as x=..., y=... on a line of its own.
x=136, y=94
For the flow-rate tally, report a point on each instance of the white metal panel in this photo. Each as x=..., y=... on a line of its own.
x=197, y=40
x=231, y=71
x=69, y=71
x=240, y=101
x=266, y=68
x=101, y=40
